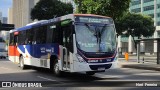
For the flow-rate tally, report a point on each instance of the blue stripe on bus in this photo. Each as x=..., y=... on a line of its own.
x=41, y=50
x=21, y=47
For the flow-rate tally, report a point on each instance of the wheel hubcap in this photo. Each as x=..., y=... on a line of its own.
x=56, y=68
x=21, y=64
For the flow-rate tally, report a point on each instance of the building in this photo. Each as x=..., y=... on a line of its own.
x=147, y=7
x=1, y=16
x=21, y=9
x=4, y=20
x=10, y=16
x=151, y=8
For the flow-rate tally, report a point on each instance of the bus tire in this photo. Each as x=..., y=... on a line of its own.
x=90, y=73
x=56, y=70
x=22, y=66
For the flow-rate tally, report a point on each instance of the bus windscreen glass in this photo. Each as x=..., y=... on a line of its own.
x=91, y=38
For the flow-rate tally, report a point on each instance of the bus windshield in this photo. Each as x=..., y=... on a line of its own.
x=94, y=38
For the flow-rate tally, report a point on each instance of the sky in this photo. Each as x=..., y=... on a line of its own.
x=4, y=5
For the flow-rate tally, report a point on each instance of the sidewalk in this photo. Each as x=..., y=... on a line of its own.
x=132, y=63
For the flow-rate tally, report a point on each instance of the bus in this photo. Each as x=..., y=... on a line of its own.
x=71, y=43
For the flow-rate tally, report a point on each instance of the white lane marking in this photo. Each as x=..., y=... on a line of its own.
x=46, y=78
x=50, y=79
x=5, y=68
x=109, y=76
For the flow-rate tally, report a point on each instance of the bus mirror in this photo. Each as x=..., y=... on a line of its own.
x=117, y=35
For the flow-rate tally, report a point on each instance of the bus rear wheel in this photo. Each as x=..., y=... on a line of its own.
x=22, y=66
x=56, y=70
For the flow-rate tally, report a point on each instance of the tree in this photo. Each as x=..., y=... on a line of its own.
x=136, y=25
x=50, y=9
x=142, y=25
x=112, y=8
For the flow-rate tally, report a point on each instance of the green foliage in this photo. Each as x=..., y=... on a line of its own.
x=47, y=9
x=142, y=25
x=112, y=8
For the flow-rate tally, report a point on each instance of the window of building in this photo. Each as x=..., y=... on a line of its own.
x=148, y=8
x=152, y=15
x=136, y=10
x=136, y=2
x=158, y=32
x=145, y=1
x=158, y=5
x=158, y=23
x=158, y=14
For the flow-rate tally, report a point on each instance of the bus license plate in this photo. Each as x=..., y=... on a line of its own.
x=100, y=69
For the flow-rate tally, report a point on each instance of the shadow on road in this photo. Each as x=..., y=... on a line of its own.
x=4, y=60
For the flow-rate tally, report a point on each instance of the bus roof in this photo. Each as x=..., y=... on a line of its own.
x=91, y=15
x=43, y=22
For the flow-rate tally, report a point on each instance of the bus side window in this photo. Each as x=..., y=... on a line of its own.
x=15, y=40
x=50, y=29
x=29, y=36
x=11, y=39
x=22, y=38
x=41, y=35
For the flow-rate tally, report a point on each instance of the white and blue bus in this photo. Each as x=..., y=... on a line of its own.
x=71, y=43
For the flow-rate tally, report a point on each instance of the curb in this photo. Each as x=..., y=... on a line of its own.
x=144, y=67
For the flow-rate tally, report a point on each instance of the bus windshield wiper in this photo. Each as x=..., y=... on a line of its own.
x=101, y=31
x=94, y=32
x=89, y=28
x=99, y=35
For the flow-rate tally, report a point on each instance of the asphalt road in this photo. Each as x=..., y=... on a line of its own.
x=121, y=78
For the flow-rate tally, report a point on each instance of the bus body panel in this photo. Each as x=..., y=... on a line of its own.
x=33, y=54
x=39, y=54
x=84, y=66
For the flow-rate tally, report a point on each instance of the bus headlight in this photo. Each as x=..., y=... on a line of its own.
x=80, y=59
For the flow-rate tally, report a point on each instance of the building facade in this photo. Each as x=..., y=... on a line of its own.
x=21, y=12
x=1, y=16
x=147, y=7
x=151, y=8
x=10, y=16
x=4, y=20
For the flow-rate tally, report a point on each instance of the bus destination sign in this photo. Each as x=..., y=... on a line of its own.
x=94, y=20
